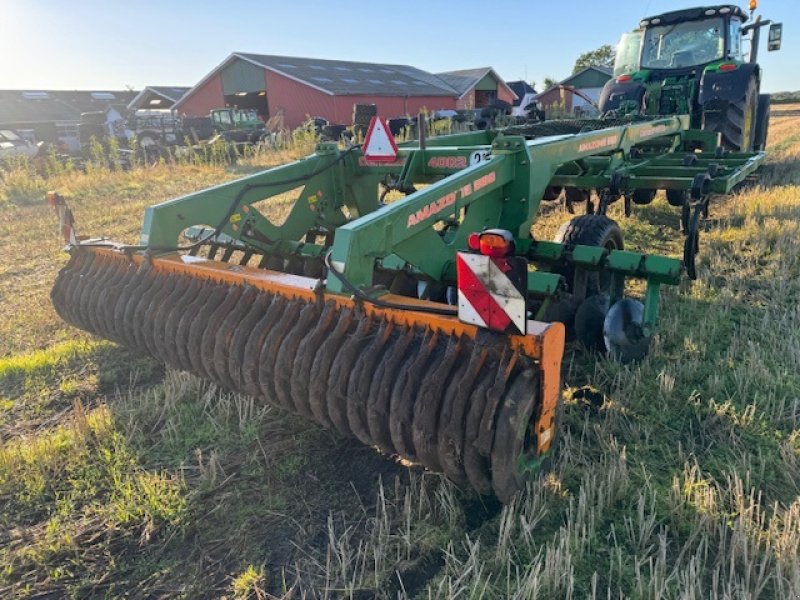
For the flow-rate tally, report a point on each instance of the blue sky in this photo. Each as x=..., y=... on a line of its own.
x=112, y=44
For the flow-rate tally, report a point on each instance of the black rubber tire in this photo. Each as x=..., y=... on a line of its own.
x=676, y=197
x=643, y=197
x=735, y=121
x=514, y=442
x=762, y=122
x=589, y=230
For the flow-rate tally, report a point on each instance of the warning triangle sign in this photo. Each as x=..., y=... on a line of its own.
x=379, y=145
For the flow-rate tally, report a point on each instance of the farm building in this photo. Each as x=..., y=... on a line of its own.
x=525, y=96
x=157, y=98
x=298, y=88
x=53, y=115
x=589, y=82
x=477, y=88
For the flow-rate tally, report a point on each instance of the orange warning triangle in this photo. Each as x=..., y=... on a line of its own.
x=379, y=144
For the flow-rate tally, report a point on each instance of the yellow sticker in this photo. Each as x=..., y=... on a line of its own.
x=235, y=218
x=312, y=199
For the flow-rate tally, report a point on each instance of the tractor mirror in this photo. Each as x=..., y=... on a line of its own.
x=774, y=40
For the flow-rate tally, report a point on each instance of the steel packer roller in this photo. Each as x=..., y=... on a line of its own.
x=432, y=327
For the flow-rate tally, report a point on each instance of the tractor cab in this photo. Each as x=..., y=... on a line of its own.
x=236, y=118
x=694, y=62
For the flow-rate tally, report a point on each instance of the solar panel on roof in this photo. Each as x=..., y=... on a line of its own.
x=322, y=79
x=288, y=66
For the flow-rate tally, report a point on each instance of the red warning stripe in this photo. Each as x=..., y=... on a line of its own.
x=476, y=293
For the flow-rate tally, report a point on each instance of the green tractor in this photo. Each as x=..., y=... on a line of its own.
x=238, y=125
x=693, y=62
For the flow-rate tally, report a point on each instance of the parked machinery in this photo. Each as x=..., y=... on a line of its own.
x=693, y=62
x=433, y=326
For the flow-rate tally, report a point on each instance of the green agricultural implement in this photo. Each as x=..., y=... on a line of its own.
x=431, y=327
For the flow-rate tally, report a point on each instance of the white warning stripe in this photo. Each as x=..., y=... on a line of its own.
x=499, y=286
x=507, y=296
x=467, y=312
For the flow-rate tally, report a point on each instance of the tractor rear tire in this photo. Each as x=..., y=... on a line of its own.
x=762, y=122
x=735, y=121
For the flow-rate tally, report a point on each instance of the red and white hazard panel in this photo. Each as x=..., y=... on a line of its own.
x=491, y=291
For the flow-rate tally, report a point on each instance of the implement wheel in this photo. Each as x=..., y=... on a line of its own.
x=590, y=230
x=589, y=306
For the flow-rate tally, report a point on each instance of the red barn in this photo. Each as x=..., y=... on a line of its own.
x=298, y=88
x=478, y=88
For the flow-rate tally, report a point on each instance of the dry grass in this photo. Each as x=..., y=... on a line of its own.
x=117, y=480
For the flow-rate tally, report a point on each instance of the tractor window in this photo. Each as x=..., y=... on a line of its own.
x=683, y=44
x=224, y=117
x=736, y=40
x=628, y=51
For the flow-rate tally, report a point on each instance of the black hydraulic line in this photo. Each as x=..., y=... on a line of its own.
x=383, y=303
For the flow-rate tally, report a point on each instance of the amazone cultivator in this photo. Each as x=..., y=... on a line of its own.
x=431, y=327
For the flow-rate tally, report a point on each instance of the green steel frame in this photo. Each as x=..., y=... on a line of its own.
x=472, y=181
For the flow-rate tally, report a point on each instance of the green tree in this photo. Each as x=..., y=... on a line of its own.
x=602, y=56
x=549, y=82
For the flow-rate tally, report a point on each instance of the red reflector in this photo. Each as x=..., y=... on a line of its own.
x=474, y=241
x=495, y=245
x=727, y=67
x=623, y=78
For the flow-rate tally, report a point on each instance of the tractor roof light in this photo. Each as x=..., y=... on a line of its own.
x=496, y=243
x=711, y=11
x=724, y=10
x=753, y=4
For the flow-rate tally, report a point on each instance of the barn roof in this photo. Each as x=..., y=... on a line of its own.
x=341, y=77
x=170, y=94
x=520, y=88
x=466, y=79
x=37, y=106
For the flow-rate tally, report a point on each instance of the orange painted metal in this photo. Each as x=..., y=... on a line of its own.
x=544, y=342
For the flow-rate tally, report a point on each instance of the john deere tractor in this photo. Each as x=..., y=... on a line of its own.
x=693, y=62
